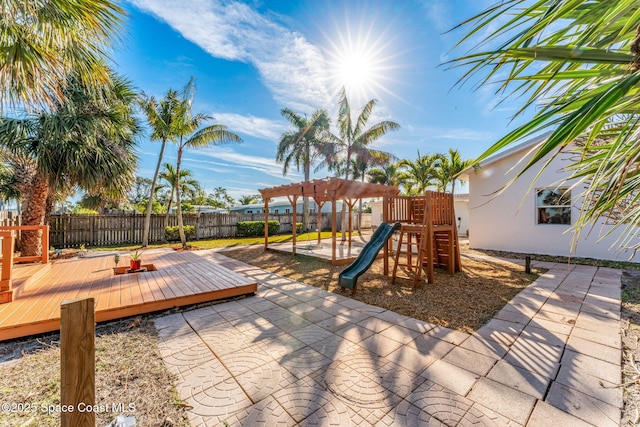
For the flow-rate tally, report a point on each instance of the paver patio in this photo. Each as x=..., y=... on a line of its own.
x=297, y=355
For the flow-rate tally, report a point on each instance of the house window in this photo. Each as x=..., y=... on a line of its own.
x=249, y=211
x=553, y=205
x=277, y=211
x=286, y=211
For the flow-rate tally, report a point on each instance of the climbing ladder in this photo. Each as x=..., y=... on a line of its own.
x=428, y=234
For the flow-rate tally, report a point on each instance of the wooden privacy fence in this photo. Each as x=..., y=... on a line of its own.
x=103, y=230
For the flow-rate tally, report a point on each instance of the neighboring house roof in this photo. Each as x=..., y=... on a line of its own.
x=527, y=145
x=241, y=207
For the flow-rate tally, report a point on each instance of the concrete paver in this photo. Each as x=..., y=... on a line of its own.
x=505, y=400
x=294, y=355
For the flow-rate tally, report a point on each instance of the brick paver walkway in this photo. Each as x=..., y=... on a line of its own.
x=297, y=355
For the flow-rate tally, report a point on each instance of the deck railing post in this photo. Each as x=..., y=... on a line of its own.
x=45, y=244
x=6, y=293
x=77, y=363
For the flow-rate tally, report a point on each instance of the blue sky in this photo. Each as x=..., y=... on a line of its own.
x=252, y=58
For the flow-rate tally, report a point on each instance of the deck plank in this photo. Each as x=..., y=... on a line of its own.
x=182, y=278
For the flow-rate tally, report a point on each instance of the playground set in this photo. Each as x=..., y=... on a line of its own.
x=426, y=225
x=428, y=237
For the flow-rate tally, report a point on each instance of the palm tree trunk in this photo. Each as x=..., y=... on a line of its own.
x=49, y=207
x=166, y=219
x=183, y=238
x=33, y=214
x=343, y=217
x=147, y=218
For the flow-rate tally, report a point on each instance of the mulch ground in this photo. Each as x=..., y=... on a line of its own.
x=630, y=347
x=464, y=301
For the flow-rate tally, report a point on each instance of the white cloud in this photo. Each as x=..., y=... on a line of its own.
x=439, y=13
x=463, y=134
x=253, y=126
x=290, y=66
x=228, y=158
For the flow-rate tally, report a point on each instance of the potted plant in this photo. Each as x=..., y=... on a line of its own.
x=136, y=262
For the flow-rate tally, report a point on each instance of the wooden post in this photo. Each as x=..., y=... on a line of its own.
x=294, y=219
x=77, y=362
x=319, y=207
x=350, y=226
x=333, y=229
x=6, y=291
x=266, y=222
x=45, y=244
x=527, y=264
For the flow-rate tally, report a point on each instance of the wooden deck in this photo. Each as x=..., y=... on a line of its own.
x=182, y=278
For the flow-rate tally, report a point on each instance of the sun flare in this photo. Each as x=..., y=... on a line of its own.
x=359, y=62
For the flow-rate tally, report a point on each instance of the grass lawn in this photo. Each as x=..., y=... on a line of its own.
x=225, y=243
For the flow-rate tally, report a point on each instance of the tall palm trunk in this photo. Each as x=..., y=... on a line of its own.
x=343, y=217
x=183, y=238
x=147, y=218
x=166, y=218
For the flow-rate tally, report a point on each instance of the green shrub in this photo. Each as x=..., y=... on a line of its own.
x=256, y=228
x=78, y=210
x=172, y=233
x=298, y=227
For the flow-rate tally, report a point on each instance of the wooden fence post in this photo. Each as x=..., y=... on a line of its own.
x=77, y=363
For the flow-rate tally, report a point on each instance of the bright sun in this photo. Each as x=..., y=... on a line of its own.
x=356, y=71
x=360, y=63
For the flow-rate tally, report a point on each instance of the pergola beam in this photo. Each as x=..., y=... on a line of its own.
x=322, y=191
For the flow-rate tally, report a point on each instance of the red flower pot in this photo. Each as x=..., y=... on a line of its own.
x=135, y=264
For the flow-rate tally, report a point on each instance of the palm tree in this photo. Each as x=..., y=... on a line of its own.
x=188, y=183
x=420, y=174
x=354, y=138
x=449, y=168
x=304, y=146
x=43, y=42
x=579, y=64
x=248, y=200
x=85, y=142
x=390, y=174
x=190, y=136
x=220, y=198
x=161, y=116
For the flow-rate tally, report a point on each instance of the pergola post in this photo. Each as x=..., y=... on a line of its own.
x=334, y=218
x=294, y=203
x=266, y=223
x=349, y=221
x=319, y=205
x=388, y=248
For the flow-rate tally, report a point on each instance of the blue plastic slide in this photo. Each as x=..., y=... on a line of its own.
x=349, y=276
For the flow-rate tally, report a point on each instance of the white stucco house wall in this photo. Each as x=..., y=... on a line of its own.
x=531, y=217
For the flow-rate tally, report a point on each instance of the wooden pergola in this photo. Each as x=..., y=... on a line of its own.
x=322, y=191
